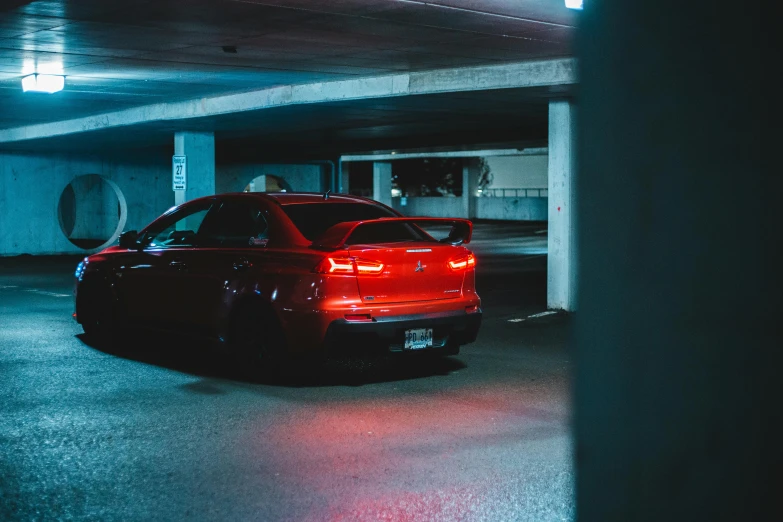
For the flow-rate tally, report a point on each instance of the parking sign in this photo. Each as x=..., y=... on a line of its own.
x=179, y=172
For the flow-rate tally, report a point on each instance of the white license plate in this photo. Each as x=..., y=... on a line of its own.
x=418, y=338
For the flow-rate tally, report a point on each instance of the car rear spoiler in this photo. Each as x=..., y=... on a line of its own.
x=336, y=237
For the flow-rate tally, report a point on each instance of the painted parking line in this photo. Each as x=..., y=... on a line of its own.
x=534, y=316
x=542, y=314
x=34, y=291
x=45, y=292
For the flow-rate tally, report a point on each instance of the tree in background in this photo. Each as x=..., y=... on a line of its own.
x=485, y=175
x=428, y=176
x=420, y=177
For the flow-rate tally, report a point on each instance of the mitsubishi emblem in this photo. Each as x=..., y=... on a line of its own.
x=419, y=268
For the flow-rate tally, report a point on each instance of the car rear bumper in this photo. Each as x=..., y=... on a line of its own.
x=387, y=334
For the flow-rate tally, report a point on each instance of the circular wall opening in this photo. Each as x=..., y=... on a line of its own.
x=268, y=183
x=92, y=212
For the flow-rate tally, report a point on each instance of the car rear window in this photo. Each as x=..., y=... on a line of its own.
x=313, y=219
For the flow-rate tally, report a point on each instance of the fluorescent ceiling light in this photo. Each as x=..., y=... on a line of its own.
x=43, y=83
x=573, y=4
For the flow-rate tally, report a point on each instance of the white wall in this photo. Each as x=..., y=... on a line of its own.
x=31, y=186
x=30, y=189
x=234, y=178
x=507, y=209
x=430, y=207
x=96, y=212
x=518, y=171
x=512, y=209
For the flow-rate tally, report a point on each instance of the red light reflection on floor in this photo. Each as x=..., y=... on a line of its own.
x=415, y=457
x=451, y=504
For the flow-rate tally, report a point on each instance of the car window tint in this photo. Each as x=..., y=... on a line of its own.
x=237, y=224
x=385, y=233
x=180, y=230
x=313, y=219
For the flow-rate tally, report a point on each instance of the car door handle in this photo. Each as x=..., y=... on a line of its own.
x=179, y=265
x=242, y=264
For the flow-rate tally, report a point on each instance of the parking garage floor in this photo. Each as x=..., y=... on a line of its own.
x=167, y=430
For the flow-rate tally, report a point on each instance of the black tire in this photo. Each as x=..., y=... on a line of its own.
x=451, y=349
x=256, y=339
x=96, y=311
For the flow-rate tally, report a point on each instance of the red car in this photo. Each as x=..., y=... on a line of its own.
x=292, y=273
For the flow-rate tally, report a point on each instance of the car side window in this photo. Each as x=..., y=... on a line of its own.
x=181, y=230
x=237, y=224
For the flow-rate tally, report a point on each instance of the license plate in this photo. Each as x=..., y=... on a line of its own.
x=418, y=338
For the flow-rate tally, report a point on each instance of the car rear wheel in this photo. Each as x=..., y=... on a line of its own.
x=256, y=338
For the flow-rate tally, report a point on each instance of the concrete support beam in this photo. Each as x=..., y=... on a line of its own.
x=382, y=182
x=478, y=153
x=562, y=251
x=199, y=148
x=543, y=73
x=470, y=178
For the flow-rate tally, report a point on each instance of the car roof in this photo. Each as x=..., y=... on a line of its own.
x=279, y=200
x=293, y=198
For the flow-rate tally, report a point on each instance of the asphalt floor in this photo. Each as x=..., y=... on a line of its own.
x=167, y=429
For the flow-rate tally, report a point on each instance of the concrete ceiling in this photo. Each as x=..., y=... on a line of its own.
x=118, y=55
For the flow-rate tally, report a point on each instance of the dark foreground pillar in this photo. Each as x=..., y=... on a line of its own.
x=679, y=371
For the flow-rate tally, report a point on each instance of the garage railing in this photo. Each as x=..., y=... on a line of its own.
x=514, y=192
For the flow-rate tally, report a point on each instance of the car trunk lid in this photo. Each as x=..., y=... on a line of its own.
x=411, y=272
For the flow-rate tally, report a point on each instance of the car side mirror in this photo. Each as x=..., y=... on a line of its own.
x=130, y=240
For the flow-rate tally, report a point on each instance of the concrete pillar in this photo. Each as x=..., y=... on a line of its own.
x=562, y=251
x=676, y=347
x=470, y=178
x=382, y=182
x=344, y=180
x=199, y=148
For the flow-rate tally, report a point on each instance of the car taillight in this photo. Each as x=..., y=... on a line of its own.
x=339, y=265
x=366, y=267
x=349, y=266
x=462, y=263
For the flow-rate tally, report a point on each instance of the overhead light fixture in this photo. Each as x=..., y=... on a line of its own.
x=43, y=83
x=574, y=4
